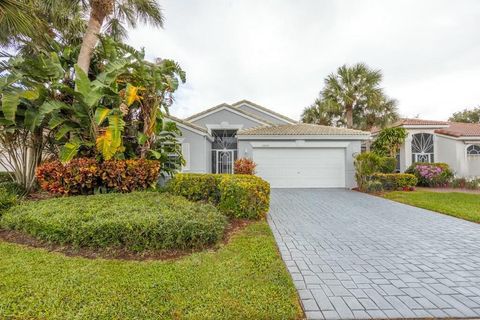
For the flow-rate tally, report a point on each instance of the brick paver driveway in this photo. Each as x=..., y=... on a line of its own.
x=353, y=255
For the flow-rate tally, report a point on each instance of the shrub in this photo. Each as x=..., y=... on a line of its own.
x=86, y=175
x=395, y=181
x=244, y=196
x=464, y=183
x=7, y=199
x=244, y=166
x=5, y=177
x=13, y=188
x=137, y=221
x=431, y=174
x=240, y=196
x=373, y=186
x=368, y=163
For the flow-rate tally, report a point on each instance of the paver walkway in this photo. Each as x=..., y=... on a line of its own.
x=355, y=256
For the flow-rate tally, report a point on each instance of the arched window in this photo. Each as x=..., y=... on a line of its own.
x=422, y=147
x=473, y=150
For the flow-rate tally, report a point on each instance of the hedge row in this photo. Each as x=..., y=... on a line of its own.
x=136, y=221
x=239, y=196
x=395, y=181
x=84, y=176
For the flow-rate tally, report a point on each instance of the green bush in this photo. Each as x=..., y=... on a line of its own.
x=136, y=221
x=373, y=186
x=436, y=174
x=13, y=188
x=395, y=181
x=239, y=196
x=368, y=163
x=387, y=165
x=7, y=199
x=5, y=177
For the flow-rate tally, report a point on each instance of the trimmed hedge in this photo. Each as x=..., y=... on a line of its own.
x=395, y=181
x=87, y=175
x=136, y=221
x=239, y=196
x=7, y=199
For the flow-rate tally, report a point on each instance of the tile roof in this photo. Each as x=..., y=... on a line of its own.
x=239, y=103
x=458, y=129
x=225, y=105
x=300, y=129
x=412, y=122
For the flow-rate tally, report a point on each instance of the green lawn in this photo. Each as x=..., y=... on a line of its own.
x=461, y=205
x=245, y=279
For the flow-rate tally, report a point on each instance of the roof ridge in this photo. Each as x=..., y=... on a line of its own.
x=238, y=103
x=196, y=115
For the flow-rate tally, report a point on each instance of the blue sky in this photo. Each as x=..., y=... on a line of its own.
x=277, y=52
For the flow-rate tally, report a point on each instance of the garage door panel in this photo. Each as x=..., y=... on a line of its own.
x=301, y=168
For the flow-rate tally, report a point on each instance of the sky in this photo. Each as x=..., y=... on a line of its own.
x=277, y=53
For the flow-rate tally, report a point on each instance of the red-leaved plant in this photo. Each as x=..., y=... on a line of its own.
x=85, y=175
x=244, y=166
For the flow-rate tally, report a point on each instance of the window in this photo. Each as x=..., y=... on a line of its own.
x=473, y=150
x=422, y=147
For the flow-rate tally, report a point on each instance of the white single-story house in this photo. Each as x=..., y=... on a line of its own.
x=288, y=154
x=457, y=144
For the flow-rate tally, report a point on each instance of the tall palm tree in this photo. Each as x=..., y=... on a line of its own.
x=14, y=19
x=320, y=113
x=115, y=14
x=356, y=90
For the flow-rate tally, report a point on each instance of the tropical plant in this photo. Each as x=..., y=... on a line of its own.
x=468, y=116
x=436, y=174
x=352, y=97
x=115, y=14
x=244, y=166
x=388, y=141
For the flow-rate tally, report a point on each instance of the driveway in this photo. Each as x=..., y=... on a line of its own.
x=352, y=255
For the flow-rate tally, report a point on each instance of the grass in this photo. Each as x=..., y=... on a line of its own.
x=244, y=279
x=461, y=205
x=137, y=221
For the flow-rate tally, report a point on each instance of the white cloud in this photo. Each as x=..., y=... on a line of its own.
x=277, y=52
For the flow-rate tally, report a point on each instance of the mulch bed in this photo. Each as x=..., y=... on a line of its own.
x=13, y=236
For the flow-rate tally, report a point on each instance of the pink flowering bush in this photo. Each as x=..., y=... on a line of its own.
x=431, y=174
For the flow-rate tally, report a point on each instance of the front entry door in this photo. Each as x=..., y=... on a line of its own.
x=224, y=159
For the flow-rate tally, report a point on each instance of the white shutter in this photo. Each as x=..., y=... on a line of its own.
x=186, y=155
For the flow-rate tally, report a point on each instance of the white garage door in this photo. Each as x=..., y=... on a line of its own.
x=301, y=168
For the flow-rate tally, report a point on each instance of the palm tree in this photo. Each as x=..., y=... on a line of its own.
x=356, y=90
x=14, y=19
x=319, y=113
x=115, y=14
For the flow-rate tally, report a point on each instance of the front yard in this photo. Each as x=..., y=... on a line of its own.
x=244, y=279
x=461, y=205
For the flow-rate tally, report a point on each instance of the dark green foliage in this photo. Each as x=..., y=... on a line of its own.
x=239, y=196
x=368, y=163
x=468, y=116
x=13, y=188
x=7, y=199
x=245, y=279
x=5, y=177
x=395, y=181
x=388, y=141
x=137, y=221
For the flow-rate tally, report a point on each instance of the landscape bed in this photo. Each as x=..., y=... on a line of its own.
x=244, y=279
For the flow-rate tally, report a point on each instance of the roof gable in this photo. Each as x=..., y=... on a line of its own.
x=262, y=110
x=230, y=108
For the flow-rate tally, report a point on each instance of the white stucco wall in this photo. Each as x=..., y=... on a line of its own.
x=198, y=158
x=352, y=147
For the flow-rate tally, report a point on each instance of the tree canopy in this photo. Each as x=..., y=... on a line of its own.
x=468, y=116
x=352, y=97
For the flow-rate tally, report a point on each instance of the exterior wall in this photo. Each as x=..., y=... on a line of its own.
x=199, y=151
x=264, y=115
x=452, y=152
x=473, y=165
x=228, y=118
x=406, y=148
x=246, y=149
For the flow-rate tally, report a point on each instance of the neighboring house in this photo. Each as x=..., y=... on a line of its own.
x=457, y=144
x=287, y=153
